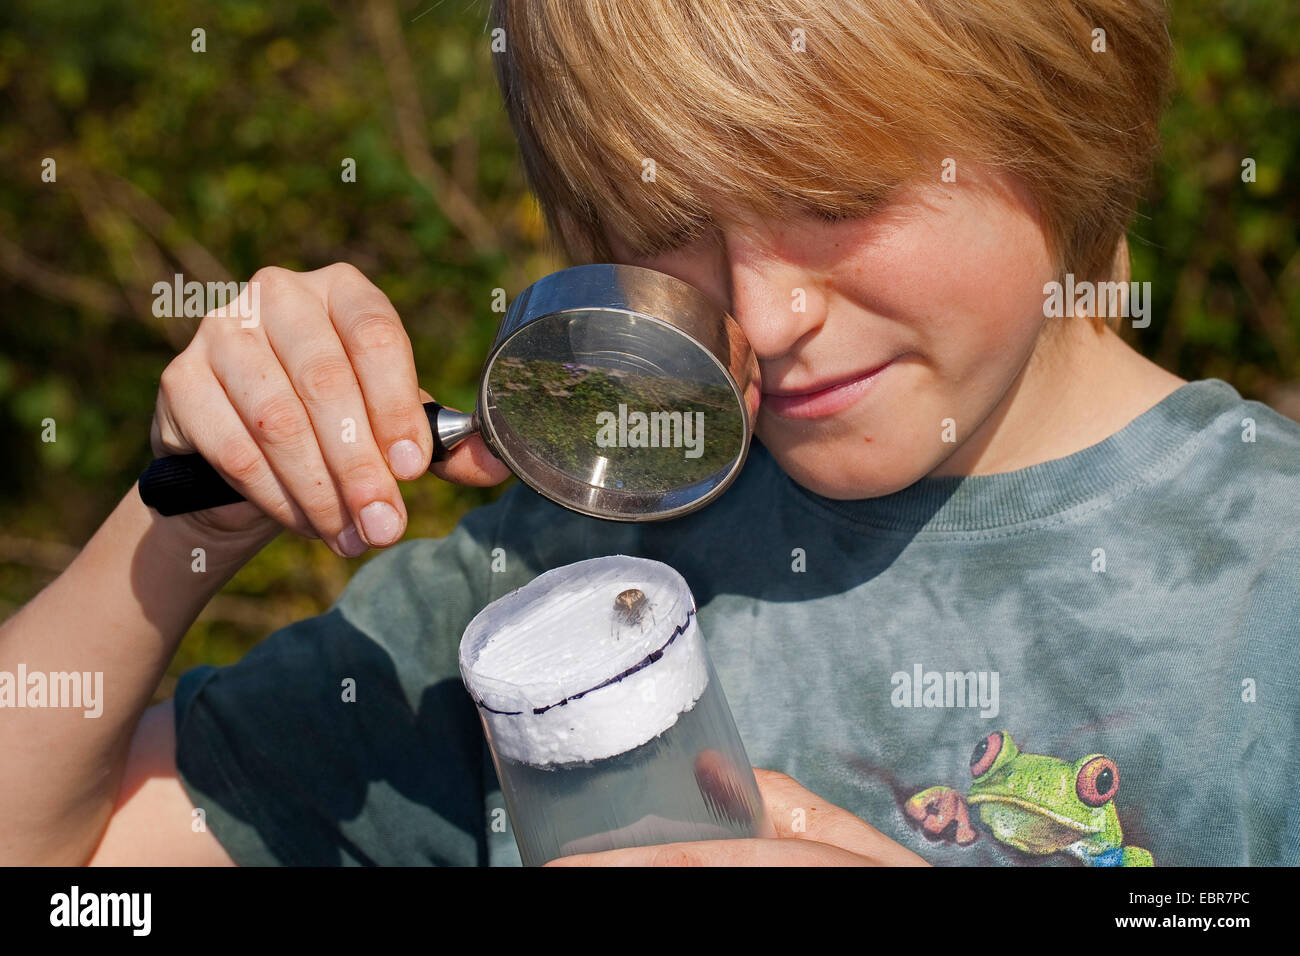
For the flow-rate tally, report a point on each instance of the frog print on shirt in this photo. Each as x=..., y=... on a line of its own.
x=1037, y=804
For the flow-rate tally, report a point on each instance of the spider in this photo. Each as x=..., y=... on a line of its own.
x=630, y=609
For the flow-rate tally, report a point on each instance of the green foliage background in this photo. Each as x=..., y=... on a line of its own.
x=214, y=164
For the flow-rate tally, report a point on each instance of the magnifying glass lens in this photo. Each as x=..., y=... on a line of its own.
x=612, y=412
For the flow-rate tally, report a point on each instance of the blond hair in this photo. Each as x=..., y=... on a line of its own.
x=648, y=118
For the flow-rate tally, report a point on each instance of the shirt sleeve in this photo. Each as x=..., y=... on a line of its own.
x=348, y=739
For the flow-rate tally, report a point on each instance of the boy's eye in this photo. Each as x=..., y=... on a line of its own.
x=845, y=213
x=677, y=238
x=833, y=215
x=860, y=207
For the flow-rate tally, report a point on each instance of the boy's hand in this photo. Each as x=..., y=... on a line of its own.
x=312, y=413
x=830, y=836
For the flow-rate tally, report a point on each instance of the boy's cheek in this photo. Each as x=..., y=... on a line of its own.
x=967, y=264
x=972, y=315
x=950, y=295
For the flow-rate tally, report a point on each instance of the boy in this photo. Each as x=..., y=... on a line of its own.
x=991, y=589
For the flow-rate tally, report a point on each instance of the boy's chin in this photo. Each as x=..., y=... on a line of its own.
x=832, y=473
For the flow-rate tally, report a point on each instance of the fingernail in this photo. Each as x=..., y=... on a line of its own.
x=406, y=459
x=350, y=542
x=381, y=523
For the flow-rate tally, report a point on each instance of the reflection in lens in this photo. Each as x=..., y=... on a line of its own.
x=614, y=401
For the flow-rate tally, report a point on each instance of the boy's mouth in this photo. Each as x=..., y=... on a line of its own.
x=821, y=400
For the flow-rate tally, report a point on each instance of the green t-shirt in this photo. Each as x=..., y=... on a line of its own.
x=1137, y=600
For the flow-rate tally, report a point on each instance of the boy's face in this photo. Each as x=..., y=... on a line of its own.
x=872, y=333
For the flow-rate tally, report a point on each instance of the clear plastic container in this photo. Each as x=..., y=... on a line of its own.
x=607, y=723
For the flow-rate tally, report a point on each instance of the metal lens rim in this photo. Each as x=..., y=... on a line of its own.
x=526, y=474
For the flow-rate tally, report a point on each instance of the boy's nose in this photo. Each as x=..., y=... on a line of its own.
x=776, y=302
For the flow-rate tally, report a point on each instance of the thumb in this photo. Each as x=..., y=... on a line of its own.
x=798, y=813
x=470, y=462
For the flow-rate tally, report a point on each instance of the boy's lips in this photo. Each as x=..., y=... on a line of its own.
x=820, y=401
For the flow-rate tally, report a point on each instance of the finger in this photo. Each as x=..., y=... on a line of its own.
x=377, y=345
x=798, y=813
x=179, y=379
x=259, y=389
x=308, y=349
x=470, y=462
x=220, y=436
x=721, y=853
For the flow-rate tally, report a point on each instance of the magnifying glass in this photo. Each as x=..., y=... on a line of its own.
x=616, y=391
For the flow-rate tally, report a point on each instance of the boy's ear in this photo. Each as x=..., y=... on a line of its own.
x=1120, y=272
x=1121, y=269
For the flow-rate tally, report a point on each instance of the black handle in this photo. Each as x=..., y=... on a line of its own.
x=179, y=484
x=440, y=450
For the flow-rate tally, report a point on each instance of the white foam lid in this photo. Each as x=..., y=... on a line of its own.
x=561, y=676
